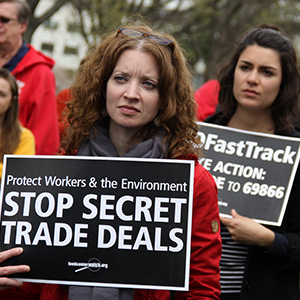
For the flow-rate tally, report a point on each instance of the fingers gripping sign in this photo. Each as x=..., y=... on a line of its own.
x=6, y=282
x=246, y=231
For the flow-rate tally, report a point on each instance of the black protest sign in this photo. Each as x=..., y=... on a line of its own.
x=99, y=221
x=254, y=172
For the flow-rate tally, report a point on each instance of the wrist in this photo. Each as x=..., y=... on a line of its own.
x=267, y=239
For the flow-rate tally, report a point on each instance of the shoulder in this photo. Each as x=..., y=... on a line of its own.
x=40, y=57
x=291, y=133
x=26, y=133
x=27, y=142
x=209, y=90
x=202, y=176
x=200, y=173
x=34, y=58
x=207, y=100
x=217, y=119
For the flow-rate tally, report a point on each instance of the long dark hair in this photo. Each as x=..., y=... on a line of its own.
x=285, y=109
x=11, y=129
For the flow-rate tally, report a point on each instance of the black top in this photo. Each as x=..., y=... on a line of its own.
x=273, y=274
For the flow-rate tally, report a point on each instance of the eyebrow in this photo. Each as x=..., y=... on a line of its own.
x=127, y=73
x=264, y=67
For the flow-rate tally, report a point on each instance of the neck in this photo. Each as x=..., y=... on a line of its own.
x=122, y=138
x=253, y=121
x=8, y=51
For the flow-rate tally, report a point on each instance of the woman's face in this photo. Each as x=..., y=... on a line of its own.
x=132, y=96
x=257, y=78
x=5, y=96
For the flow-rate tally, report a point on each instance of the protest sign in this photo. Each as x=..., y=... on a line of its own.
x=254, y=172
x=99, y=221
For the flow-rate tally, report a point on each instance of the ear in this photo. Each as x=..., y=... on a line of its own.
x=23, y=27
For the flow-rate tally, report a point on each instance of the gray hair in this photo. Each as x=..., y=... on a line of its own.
x=24, y=11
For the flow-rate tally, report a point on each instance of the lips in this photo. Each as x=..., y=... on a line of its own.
x=128, y=109
x=250, y=92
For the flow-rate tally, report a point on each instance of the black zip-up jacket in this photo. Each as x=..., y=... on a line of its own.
x=269, y=275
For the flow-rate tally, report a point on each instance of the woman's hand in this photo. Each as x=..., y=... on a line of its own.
x=246, y=231
x=6, y=282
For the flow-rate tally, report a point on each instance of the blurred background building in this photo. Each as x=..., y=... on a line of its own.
x=60, y=38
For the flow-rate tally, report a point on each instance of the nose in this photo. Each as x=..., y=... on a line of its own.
x=252, y=78
x=132, y=90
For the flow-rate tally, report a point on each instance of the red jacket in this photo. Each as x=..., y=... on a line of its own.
x=36, y=291
x=205, y=249
x=206, y=243
x=37, y=110
x=207, y=99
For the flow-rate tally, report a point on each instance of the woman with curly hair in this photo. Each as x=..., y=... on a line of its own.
x=173, y=86
x=133, y=97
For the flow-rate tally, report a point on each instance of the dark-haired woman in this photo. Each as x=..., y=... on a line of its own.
x=259, y=91
x=14, y=139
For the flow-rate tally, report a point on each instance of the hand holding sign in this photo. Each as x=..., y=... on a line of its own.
x=102, y=231
x=246, y=231
x=9, y=270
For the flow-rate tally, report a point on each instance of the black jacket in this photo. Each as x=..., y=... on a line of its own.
x=267, y=275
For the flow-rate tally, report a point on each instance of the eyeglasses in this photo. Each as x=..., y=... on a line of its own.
x=4, y=20
x=157, y=38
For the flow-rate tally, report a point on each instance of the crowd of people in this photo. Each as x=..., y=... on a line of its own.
x=133, y=97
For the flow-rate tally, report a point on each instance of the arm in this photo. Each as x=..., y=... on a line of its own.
x=281, y=243
x=38, y=110
x=206, y=241
x=290, y=228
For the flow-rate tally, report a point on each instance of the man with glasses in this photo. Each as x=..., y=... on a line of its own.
x=35, y=78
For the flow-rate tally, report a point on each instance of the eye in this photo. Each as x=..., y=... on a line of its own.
x=267, y=72
x=120, y=78
x=149, y=85
x=3, y=94
x=244, y=67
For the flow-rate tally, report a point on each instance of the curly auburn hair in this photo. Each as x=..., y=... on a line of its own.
x=285, y=109
x=177, y=110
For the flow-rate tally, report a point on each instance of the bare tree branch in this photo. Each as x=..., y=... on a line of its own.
x=36, y=21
